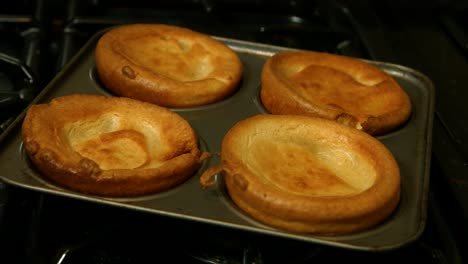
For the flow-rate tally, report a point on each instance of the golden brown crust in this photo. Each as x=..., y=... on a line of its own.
x=334, y=87
x=110, y=146
x=306, y=174
x=167, y=65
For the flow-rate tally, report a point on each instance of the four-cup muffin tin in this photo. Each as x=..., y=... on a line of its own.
x=411, y=146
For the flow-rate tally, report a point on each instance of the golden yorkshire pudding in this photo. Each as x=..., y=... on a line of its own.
x=110, y=146
x=344, y=89
x=306, y=174
x=167, y=65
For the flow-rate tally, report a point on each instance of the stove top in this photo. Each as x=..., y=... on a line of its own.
x=43, y=36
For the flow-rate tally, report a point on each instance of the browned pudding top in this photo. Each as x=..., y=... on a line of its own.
x=348, y=90
x=308, y=174
x=167, y=65
x=79, y=138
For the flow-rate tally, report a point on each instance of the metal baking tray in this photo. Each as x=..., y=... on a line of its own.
x=411, y=145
